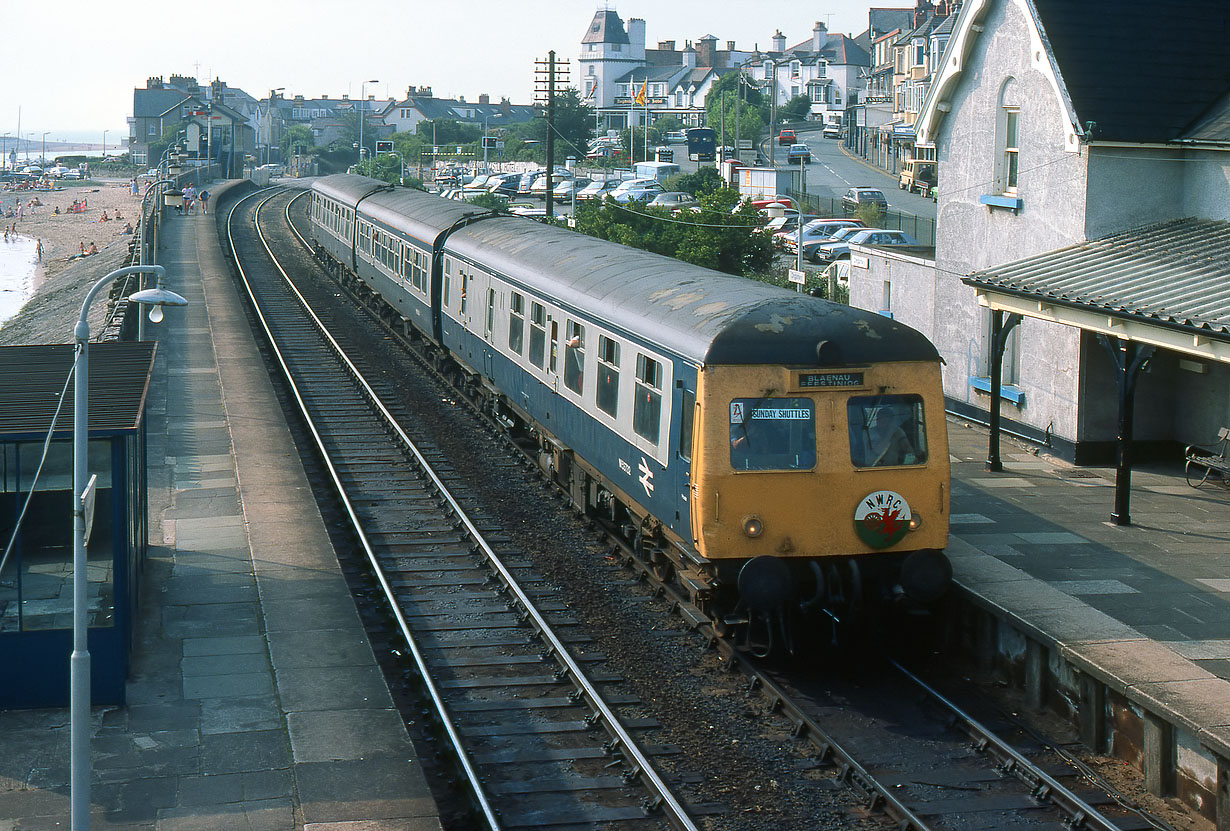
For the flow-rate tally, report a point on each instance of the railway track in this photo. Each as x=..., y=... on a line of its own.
x=533, y=730
x=899, y=756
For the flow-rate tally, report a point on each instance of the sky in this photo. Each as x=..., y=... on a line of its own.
x=73, y=75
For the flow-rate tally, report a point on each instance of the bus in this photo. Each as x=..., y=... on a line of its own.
x=702, y=144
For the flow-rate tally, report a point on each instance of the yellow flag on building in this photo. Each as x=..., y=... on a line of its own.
x=642, y=94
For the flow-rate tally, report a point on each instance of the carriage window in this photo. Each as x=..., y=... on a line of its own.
x=465, y=284
x=608, y=375
x=887, y=430
x=538, y=334
x=448, y=282
x=516, y=322
x=772, y=434
x=574, y=358
x=647, y=409
x=490, y=325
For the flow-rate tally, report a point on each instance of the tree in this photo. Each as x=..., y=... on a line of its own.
x=704, y=181
x=297, y=138
x=448, y=131
x=796, y=109
x=723, y=234
x=752, y=109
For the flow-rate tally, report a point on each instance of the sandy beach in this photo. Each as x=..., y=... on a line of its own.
x=63, y=234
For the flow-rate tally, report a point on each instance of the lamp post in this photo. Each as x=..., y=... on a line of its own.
x=104, y=152
x=363, y=113
x=43, y=153
x=79, y=663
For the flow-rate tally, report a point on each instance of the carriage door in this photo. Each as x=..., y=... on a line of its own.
x=489, y=334
x=553, y=356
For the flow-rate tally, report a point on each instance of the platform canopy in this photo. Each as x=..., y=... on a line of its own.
x=32, y=379
x=1166, y=285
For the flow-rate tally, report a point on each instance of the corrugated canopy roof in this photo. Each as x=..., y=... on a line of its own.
x=31, y=378
x=1175, y=275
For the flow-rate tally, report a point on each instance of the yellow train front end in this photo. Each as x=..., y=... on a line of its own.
x=822, y=491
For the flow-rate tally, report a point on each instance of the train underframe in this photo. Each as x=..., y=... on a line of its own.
x=766, y=605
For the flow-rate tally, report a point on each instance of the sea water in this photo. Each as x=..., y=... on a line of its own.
x=18, y=264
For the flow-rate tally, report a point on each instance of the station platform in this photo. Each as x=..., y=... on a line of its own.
x=254, y=699
x=1130, y=623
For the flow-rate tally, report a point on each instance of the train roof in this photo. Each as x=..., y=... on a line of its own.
x=698, y=313
x=348, y=188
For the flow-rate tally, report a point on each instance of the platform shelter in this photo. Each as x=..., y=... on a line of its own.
x=36, y=587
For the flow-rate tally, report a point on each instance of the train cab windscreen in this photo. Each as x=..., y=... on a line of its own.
x=772, y=434
x=887, y=430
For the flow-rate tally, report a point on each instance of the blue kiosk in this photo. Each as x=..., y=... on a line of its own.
x=36, y=580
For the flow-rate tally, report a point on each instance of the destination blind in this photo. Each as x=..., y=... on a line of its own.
x=830, y=379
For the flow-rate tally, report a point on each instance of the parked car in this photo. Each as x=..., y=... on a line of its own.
x=814, y=232
x=539, y=188
x=676, y=137
x=676, y=200
x=478, y=183
x=832, y=131
x=597, y=189
x=505, y=184
x=867, y=236
x=797, y=152
x=762, y=203
x=786, y=138
x=824, y=251
x=917, y=176
x=862, y=196
x=780, y=225
x=564, y=189
x=641, y=190
x=72, y=173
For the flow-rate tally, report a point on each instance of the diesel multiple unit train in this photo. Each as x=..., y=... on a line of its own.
x=784, y=458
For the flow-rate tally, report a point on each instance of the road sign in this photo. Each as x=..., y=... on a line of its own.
x=384, y=147
x=797, y=276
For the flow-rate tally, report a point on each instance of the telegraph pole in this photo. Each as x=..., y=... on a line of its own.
x=546, y=74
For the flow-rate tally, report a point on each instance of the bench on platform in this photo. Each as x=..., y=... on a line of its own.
x=1205, y=464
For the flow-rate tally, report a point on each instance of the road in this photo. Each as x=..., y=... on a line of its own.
x=832, y=172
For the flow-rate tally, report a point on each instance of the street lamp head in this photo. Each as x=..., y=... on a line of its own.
x=156, y=298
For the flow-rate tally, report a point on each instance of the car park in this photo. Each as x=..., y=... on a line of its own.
x=866, y=236
x=505, y=184
x=799, y=152
x=478, y=183
x=675, y=200
x=858, y=196
x=786, y=138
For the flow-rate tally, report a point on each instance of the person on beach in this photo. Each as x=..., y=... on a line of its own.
x=93, y=249
x=56, y=212
x=204, y=201
x=105, y=218
x=38, y=249
x=127, y=228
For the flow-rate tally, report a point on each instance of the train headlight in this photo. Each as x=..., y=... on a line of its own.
x=915, y=522
x=753, y=526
